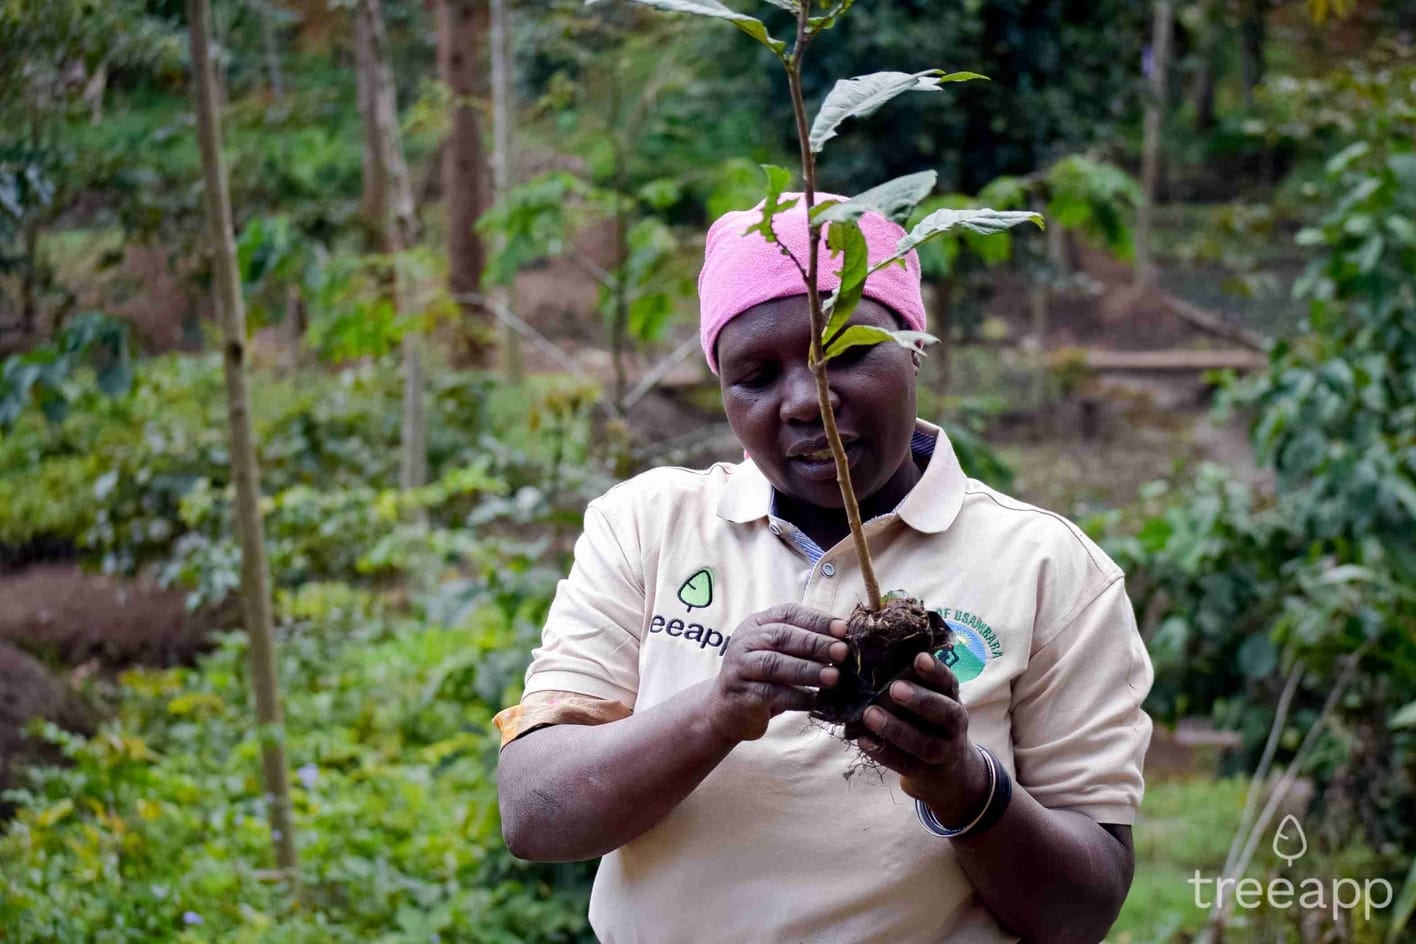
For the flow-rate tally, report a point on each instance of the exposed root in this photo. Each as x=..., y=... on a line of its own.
x=883, y=647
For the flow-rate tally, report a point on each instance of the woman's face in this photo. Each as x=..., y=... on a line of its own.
x=769, y=395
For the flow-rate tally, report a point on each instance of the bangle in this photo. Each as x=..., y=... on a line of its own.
x=1000, y=791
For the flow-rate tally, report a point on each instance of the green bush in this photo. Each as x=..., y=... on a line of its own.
x=112, y=476
x=405, y=620
x=156, y=831
x=1321, y=573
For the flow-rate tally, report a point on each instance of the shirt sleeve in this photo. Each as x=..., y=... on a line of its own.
x=1079, y=732
x=589, y=652
x=539, y=709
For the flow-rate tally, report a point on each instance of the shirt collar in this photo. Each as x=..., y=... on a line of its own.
x=930, y=507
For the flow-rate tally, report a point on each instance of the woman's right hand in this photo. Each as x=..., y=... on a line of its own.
x=774, y=658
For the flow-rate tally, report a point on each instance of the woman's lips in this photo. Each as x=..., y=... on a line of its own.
x=820, y=466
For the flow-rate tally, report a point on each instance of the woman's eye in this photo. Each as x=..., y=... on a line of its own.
x=756, y=378
x=850, y=356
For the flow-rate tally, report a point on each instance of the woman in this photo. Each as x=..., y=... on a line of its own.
x=665, y=722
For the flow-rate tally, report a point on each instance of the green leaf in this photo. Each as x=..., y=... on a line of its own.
x=54, y=406
x=1403, y=229
x=115, y=378
x=1404, y=717
x=984, y=222
x=893, y=199
x=648, y=314
x=846, y=240
x=1256, y=656
x=778, y=180
x=862, y=95
x=1403, y=168
x=819, y=24
x=1345, y=158
x=857, y=335
x=1370, y=255
x=712, y=8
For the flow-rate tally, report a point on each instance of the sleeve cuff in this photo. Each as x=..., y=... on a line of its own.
x=1119, y=813
x=578, y=683
x=542, y=708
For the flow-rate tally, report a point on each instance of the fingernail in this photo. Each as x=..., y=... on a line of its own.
x=838, y=628
x=830, y=676
x=875, y=718
x=868, y=744
x=925, y=661
x=901, y=692
x=839, y=651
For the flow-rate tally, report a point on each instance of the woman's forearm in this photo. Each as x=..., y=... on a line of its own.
x=571, y=792
x=1049, y=876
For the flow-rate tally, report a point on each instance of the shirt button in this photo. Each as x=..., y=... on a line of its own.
x=828, y=569
x=776, y=530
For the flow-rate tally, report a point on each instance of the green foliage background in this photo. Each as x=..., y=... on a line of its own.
x=406, y=619
x=405, y=622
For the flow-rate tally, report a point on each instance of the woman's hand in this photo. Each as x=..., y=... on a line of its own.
x=774, y=658
x=924, y=738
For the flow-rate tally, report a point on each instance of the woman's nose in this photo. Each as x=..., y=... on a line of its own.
x=800, y=403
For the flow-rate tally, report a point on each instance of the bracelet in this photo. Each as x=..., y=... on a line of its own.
x=1000, y=791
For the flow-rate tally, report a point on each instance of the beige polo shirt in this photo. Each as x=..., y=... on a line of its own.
x=778, y=844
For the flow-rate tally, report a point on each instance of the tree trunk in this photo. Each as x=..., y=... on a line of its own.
x=389, y=203
x=29, y=280
x=294, y=329
x=388, y=195
x=31, y=265
x=462, y=29
x=1059, y=266
x=1211, y=29
x=94, y=90
x=373, y=204
x=502, y=71
x=1253, y=32
x=619, y=300
x=1154, y=123
x=255, y=592
x=275, y=78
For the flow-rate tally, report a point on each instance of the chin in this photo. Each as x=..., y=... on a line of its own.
x=826, y=492
x=822, y=495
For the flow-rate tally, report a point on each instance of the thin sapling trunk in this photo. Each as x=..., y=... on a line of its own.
x=245, y=472
x=884, y=637
x=885, y=632
x=818, y=325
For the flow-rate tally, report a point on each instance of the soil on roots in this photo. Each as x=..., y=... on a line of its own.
x=883, y=646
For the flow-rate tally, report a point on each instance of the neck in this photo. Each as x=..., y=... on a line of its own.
x=828, y=526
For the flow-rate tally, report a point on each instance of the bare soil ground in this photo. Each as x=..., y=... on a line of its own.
x=54, y=616
x=1170, y=759
x=29, y=690
x=69, y=617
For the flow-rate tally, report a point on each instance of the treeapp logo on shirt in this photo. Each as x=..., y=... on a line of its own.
x=694, y=593
x=697, y=590
x=975, y=644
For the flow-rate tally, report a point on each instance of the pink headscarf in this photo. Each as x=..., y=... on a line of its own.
x=742, y=271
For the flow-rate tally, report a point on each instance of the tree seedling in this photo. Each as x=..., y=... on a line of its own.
x=885, y=632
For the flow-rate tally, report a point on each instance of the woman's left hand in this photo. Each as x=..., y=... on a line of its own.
x=920, y=731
